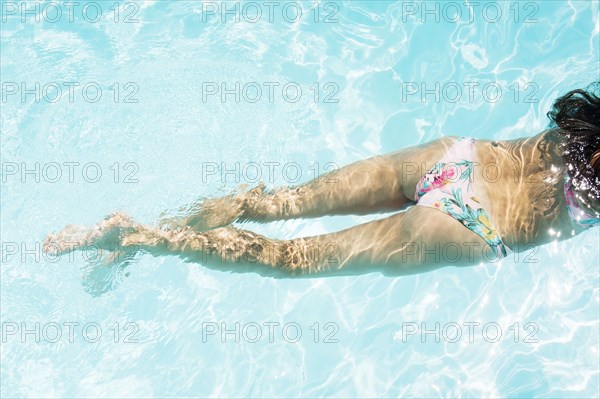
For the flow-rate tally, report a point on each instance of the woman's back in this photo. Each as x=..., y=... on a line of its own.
x=521, y=184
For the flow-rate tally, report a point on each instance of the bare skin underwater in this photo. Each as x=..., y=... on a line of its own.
x=518, y=182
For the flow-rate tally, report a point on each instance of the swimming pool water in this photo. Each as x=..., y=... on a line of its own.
x=374, y=77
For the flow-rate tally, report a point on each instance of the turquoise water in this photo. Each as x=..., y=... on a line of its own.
x=156, y=135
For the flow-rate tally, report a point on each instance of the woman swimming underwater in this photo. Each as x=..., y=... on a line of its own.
x=463, y=202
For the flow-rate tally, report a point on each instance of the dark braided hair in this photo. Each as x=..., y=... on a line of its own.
x=577, y=115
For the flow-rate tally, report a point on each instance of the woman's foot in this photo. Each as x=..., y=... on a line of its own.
x=105, y=235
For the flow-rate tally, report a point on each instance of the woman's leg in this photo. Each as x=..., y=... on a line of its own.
x=379, y=184
x=418, y=240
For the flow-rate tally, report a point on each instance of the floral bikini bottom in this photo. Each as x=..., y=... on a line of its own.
x=447, y=187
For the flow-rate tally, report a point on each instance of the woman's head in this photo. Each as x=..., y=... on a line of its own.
x=577, y=115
